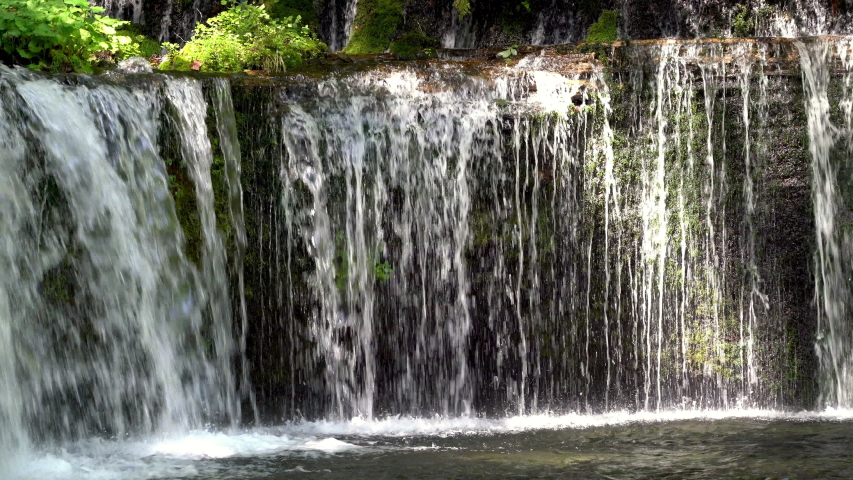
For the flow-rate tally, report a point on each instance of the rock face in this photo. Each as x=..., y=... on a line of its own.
x=649, y=249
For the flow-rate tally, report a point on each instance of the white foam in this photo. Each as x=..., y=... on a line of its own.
x=165, y=457
x=402, y=426
x=196, y=454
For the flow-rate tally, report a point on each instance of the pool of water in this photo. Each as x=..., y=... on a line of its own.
x=678, y=445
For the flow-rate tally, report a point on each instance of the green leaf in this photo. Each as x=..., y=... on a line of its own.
x=24, y=53
x=44, y=30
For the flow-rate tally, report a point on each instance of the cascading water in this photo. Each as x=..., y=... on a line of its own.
x=163, y=20
x=338, y=23
x=126, y=9
x=830, y=146
x=428, y=239
x=108, y=328
x=447, y=255
x=389, y=174
x=558, y=24
x=460, y=33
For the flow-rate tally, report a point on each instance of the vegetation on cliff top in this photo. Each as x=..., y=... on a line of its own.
x=59, y=35
x=245, y=37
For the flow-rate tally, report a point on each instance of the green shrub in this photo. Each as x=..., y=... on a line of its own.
x=745, y=20
x=604, y=30
x=245, y=37
x=57, y=35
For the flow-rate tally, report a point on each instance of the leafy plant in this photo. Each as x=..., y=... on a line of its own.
x=603, y=30
x=57, y=35
x=383, y=271
x=245, y=37
x=463, y=7
x=509, y=52
x=744, y=22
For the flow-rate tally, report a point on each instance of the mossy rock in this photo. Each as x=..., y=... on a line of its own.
x=603, y=30
x=414, y=45
x=376, y=22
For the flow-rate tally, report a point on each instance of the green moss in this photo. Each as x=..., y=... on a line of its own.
x=376, y=22
x=414, y=45
x=604, y=30
x=186, y=208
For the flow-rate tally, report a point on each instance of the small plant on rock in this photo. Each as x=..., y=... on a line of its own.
x=509, y=52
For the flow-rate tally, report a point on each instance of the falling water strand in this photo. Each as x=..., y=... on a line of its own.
x=191, y=112
x=340, y=23
x=16, y=209
x=611, y=220
x=227, y=128
x=832, y=268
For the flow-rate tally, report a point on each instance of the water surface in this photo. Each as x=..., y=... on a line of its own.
x=709, y=445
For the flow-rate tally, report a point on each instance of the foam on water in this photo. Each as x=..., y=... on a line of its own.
x=443, y=426
x=196, y=453
x=168, y=457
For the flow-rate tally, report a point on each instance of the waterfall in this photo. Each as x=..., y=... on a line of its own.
x=130, y=10
x=191, y=112
x=424, y=239
x=557, y=24
x=107, y=327
x=381, y=171
x=226, y=126
x=338, y=23
x=460, y=32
